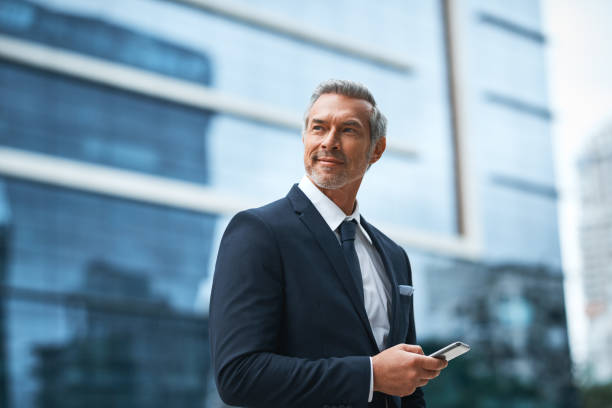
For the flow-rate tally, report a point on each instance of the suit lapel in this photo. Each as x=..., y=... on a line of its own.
x=328, y=242
x=395, y=331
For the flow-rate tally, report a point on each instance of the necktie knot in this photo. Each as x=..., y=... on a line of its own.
x=348, y=228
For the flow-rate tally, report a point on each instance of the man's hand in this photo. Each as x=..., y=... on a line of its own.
x=399, y=370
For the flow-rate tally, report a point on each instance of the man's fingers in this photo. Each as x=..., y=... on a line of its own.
x=403, y=367
x=429, y=374
x=412, y=348
x=431, y=363
x=422, y=383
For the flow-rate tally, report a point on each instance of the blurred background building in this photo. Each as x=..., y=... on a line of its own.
x=131, y=131
x=581, y=97
x=595, y=173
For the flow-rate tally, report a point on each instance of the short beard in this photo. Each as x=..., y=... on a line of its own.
x=330, y=181
x=327, y=181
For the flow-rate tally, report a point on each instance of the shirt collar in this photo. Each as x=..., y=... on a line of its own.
x=331, y=213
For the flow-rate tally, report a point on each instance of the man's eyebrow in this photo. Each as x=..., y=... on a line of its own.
x=350, y=122
x=354, y=123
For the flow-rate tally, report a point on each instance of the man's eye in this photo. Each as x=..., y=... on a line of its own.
x=349, y=130
x=317, y=127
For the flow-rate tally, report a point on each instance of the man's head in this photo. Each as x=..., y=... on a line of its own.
x=344, y=133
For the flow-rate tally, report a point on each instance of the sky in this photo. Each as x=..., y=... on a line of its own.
x=580, y=92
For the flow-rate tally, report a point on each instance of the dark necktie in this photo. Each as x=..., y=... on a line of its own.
x=347, y=236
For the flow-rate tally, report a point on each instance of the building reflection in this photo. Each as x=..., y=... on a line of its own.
x=513, y=317
x=129, y=348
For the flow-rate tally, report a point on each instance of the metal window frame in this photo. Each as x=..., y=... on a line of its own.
x=285, y=26
x=115, y=182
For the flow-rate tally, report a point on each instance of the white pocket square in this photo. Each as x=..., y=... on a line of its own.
x=406, y=290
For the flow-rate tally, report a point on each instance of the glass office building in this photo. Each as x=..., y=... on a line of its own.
x=595, y=175
x=131, y=132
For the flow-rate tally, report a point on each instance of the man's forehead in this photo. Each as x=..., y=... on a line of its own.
x=330, y=104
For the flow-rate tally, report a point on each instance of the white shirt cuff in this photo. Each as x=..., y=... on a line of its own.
x=371, y=395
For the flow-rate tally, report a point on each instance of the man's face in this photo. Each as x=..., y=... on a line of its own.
x=337, y=141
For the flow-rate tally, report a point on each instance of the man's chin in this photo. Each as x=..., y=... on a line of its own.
x=329, y=183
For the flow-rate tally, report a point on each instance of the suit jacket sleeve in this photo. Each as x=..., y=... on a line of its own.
x=416, y=399
x=246, y=324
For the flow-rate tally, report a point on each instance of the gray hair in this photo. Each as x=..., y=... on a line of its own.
x=351, y=89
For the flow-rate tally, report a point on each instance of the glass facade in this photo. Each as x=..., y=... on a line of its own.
x=104, y=293
x=89, y=276
x=57, y=115
x=50, y=114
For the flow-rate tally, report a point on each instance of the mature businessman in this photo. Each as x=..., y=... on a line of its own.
x=311, y=305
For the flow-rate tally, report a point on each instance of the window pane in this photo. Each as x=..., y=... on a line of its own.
x=99, y=299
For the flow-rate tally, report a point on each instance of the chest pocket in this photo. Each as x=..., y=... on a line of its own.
x=406, y=308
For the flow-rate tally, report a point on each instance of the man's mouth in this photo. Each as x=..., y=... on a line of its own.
x=329, y=160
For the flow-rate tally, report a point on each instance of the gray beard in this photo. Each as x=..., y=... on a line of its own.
x=330, y=182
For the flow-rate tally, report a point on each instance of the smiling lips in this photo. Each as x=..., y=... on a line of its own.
x=328, y=160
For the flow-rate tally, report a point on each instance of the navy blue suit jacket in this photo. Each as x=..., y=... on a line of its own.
x=287, y=325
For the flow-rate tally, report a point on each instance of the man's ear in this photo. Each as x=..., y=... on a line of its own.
x=379, y=149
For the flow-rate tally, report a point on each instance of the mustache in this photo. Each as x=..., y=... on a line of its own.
x=328, y=155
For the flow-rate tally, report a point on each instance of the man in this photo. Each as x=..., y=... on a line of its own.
x=311, y=306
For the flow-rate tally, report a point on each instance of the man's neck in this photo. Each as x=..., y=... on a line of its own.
x=344, y=197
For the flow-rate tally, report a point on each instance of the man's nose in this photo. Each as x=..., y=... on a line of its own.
x=331, y=139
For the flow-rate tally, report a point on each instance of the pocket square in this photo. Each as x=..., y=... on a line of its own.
x=406, y=290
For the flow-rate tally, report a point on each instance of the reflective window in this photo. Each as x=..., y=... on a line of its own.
x=99, y=299
x=51, y=114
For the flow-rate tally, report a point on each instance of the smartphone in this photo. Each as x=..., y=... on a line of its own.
x=451, y=351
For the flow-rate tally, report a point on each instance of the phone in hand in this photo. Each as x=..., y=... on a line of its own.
x=451, y=351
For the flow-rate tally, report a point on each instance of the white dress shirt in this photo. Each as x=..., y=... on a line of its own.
x=376, y=285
